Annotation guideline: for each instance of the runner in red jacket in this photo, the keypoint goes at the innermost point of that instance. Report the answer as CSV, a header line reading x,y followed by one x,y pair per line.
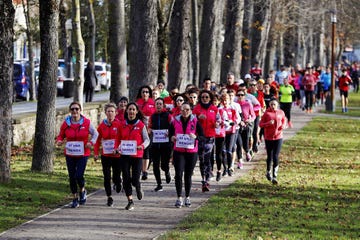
x,y
273,121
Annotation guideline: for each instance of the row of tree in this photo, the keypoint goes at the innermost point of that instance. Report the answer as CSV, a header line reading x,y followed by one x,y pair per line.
x,y
197,38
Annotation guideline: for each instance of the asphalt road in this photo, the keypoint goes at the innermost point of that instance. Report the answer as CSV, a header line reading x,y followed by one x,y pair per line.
x,y
28,107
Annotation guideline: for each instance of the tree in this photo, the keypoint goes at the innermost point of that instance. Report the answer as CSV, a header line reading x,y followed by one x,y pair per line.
x,y
246,42
195,47
29,34
210,35
7,14
179,44
43,152
117,37
143,49
79,50
92,30
231,60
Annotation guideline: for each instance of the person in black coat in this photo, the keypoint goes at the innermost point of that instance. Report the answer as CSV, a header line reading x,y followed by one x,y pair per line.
x,y
90,81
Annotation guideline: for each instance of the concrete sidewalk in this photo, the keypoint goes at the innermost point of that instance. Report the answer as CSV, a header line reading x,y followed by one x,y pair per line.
x,y
152,216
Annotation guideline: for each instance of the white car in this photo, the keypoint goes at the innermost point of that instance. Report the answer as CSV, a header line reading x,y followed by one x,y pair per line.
x,y
103,75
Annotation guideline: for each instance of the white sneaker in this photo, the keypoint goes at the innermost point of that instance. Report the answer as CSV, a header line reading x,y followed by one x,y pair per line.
x,y
179,203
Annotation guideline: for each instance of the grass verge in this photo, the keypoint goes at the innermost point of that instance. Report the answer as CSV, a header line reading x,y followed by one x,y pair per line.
x,y
354,105
318,196
30,194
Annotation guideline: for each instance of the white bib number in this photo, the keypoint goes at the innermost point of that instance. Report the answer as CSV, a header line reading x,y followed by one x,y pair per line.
x,y
75,148
185,141
108,146
128,147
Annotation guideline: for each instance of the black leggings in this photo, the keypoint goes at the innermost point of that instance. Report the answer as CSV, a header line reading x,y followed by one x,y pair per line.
x,y
286,107
161,158
109,163
219,146
184,164
309,99
131,169
273,148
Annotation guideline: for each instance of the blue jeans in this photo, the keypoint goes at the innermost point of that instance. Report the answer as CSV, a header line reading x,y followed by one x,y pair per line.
x,y
76,168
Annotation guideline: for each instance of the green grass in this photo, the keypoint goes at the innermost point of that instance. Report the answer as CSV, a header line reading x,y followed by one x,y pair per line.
x,y
354,105
318,196
30,194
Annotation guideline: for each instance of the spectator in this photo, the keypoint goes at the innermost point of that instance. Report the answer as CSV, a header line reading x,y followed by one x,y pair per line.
x,y
91,81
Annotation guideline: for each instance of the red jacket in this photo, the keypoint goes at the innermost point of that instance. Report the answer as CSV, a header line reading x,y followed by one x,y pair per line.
x,y
75,132
309,82
209,123
108,131
148,107
232,117
273,131
344,83
120,115
134,132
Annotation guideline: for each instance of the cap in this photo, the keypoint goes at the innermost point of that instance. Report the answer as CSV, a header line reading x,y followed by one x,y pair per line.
x,y
247,76
261,81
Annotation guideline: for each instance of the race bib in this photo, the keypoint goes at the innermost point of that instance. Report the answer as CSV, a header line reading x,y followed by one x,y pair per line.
x,y
128,147
185,141
74,148
169,106
108,146
160,136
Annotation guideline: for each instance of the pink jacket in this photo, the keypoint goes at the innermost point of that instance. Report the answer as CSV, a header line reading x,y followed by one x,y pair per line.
x,y
273,131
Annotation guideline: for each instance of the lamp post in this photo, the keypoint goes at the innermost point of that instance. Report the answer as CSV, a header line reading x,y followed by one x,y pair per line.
x,y
331,106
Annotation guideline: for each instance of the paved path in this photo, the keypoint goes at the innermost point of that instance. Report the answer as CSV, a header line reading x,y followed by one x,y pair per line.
x,y
152,216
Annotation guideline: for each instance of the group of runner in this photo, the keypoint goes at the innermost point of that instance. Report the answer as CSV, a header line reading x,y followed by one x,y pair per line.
x,y
220,125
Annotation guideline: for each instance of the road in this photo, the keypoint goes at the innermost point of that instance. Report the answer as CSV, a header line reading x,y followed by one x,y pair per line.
x,y
28,107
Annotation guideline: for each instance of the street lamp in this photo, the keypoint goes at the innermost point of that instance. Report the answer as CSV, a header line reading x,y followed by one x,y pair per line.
x,y
331,105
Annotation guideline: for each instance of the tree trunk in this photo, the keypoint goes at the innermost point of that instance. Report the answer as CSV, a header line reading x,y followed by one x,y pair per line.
x,y
179,44
263,32
7,15
246,42
79,50
117,37
322,59
43,152
210,38
92,30
63,46
195,43
144,55
231,56
32,90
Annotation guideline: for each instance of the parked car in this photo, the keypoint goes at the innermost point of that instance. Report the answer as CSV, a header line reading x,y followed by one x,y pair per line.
x,y
61,79
103,74
21,81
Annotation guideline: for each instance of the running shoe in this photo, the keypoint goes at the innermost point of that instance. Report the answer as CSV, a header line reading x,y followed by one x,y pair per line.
x,y
130,205
75,203
82,197
248,157
187,202
240,165
218,176
168,177
144,176
139,192
178,203
274,181
110,201
158,188
205,187
268,176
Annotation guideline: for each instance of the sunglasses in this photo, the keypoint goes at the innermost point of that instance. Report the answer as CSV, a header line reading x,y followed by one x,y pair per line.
x,y
252,85
205,97
192,97
179,100
145,92
74,109
239,95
